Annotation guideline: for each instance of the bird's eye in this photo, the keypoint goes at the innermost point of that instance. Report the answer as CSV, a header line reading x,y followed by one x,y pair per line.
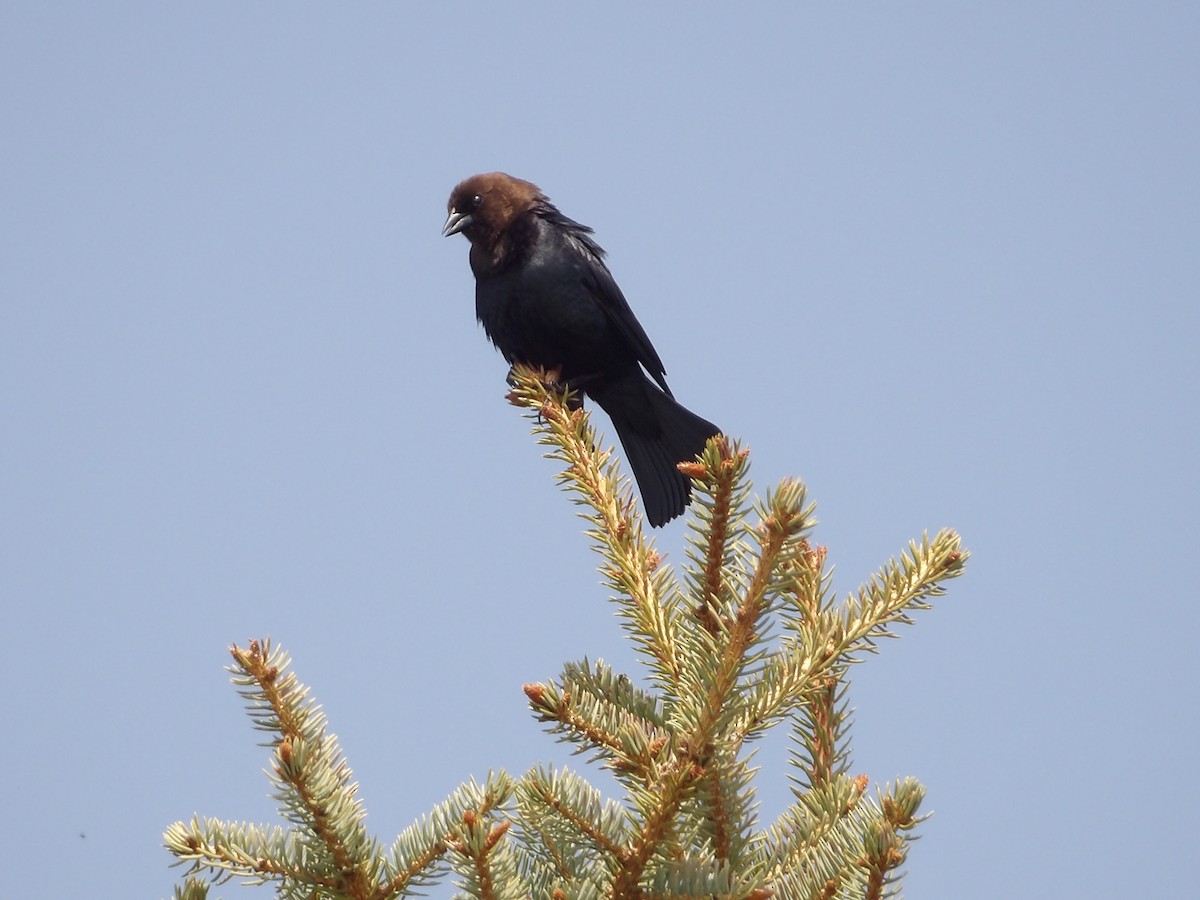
x,y
476,202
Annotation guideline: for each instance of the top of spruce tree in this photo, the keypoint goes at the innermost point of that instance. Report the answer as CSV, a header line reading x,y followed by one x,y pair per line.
x,y
747,637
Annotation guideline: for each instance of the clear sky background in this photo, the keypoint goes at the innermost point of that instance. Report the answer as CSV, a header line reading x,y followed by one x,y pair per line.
x,y
939,260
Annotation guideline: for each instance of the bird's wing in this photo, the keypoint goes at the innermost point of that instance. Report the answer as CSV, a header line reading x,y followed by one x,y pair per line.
x,y
600,283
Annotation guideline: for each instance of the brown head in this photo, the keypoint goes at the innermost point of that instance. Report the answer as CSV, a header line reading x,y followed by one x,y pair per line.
x,y
484,206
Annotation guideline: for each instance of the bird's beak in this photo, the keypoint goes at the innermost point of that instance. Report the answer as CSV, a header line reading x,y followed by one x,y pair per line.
x,y
456,222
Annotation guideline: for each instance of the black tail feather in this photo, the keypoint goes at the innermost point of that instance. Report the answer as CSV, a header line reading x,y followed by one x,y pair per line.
x,y
657,434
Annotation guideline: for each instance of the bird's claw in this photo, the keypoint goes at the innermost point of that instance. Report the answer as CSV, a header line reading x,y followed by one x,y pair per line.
x,y
574,387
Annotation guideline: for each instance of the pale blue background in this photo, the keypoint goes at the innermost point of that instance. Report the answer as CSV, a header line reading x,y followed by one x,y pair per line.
x,y
938,259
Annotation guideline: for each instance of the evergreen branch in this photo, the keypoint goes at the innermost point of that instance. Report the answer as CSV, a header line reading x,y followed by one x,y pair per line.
x,y
696,879
900,804
720,491
885,845
659,805
461,824
900,587
553,705
833,637
812,583
814,847
276,701
725,808
564,804
315,786
232,849
820,732
314,789
631,564
191,889
834,843
618,691
786,516
717,816
573,838
489,873
710,705
413,869
329,851
780,537
321,797
884,854
607,714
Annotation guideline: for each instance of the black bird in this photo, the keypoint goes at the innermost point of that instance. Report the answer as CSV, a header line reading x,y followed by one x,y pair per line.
x,y
546,298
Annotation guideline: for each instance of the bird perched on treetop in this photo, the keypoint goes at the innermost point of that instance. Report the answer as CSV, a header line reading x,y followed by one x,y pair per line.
x,y
546,299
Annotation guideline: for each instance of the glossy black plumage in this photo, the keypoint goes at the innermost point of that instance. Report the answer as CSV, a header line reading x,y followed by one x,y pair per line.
x,y
546,298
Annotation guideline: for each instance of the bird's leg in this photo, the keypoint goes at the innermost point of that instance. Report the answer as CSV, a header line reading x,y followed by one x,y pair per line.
x,y
575,385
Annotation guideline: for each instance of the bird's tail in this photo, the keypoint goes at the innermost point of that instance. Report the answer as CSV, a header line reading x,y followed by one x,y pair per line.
x,y
657,433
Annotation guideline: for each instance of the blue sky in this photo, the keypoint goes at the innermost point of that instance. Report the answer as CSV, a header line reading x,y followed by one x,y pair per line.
x,y
939,260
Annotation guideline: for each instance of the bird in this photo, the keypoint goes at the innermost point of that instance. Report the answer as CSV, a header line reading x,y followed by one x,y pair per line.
x,y
546,298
